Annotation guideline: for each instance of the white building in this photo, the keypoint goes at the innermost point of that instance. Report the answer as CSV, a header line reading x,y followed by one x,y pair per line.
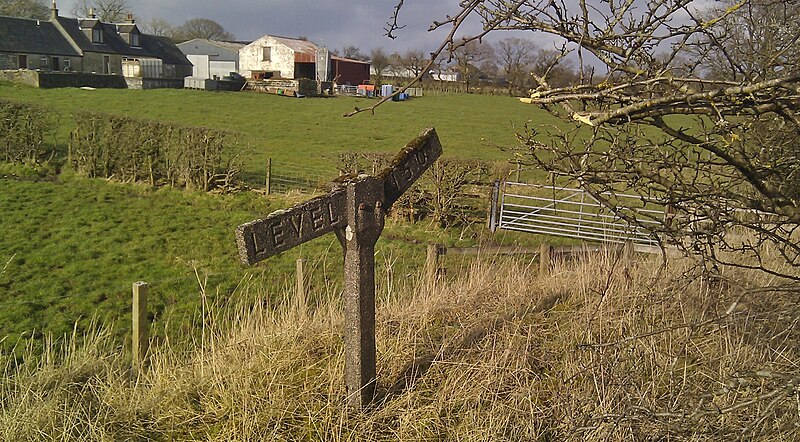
x,y
212,58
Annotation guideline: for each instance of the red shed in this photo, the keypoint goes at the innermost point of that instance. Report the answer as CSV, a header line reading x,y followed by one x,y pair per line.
x,y
347,71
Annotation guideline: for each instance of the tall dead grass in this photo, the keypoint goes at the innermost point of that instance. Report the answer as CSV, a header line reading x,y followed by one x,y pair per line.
x,y
603,348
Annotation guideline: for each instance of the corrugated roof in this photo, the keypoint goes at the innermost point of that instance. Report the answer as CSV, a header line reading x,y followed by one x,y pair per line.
x,y
296,45
349,60
227,45
33,36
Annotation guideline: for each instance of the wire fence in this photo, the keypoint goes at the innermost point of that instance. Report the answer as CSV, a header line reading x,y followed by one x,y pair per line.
x,y
284,177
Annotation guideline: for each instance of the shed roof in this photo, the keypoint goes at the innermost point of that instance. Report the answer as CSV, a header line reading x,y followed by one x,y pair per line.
x,y
232,46
23,35
296,44
348,60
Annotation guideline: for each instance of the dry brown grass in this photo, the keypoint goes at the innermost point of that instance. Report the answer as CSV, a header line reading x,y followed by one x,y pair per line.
x,y
603,348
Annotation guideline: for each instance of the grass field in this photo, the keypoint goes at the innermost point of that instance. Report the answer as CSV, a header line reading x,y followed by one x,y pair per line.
x,y
71,247
311,131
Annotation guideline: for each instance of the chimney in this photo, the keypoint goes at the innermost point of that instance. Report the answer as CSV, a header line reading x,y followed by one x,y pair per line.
x,y
53,11
91,13
131,19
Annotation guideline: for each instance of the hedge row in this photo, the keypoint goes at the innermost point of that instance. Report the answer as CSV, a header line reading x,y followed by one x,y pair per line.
x,y
129,149
22,131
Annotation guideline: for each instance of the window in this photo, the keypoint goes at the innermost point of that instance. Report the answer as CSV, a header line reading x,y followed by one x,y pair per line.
x,y
135,39
22,62
97,35
55,62
106,64
43,62
267,54
67,64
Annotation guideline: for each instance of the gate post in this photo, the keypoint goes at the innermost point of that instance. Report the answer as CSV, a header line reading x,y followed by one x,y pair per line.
x,y
493,206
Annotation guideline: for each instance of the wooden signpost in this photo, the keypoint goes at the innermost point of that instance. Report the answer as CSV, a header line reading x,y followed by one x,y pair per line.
x,y
355,211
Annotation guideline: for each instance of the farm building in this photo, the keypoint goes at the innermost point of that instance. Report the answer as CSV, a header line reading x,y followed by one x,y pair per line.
x,y
212,58
88,45
294,59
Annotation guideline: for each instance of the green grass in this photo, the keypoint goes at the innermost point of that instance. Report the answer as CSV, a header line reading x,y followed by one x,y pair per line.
x,y
311,131
71,247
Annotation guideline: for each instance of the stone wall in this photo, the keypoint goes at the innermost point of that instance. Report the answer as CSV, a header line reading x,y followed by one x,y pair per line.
x,y
31,78
283,87
47,80
7,61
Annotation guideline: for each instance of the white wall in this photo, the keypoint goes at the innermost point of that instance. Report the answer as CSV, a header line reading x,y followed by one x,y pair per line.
x,y
282,58
200,65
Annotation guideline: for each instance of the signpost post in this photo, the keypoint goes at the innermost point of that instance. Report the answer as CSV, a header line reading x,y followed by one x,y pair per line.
x,y
355,211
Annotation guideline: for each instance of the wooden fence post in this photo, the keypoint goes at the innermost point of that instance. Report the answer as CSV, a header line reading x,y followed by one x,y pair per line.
x,y
544,258
269,176
519,171
432,263
301,279
141,332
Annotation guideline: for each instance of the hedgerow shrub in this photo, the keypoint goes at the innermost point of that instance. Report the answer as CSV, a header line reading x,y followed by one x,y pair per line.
x,y
133,150
22,131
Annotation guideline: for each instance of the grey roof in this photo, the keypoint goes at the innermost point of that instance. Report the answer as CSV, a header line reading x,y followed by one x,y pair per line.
x,y
127,28
296,44
112,42
150,45
27,36
227,45
165,49
22,35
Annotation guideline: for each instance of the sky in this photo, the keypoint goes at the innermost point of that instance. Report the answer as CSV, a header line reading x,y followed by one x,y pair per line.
x,y
333,24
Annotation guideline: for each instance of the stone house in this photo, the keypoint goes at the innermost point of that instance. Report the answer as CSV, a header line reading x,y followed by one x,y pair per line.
x,y
295,59
35,44
88,45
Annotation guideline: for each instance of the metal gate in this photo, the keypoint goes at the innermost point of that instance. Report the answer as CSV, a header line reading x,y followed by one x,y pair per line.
x,y
573,213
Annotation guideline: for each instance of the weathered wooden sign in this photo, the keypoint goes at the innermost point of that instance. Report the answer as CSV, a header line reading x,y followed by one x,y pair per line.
x,y
355,211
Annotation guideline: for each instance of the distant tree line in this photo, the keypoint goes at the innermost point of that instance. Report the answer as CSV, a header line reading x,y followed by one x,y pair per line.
x,y
511,64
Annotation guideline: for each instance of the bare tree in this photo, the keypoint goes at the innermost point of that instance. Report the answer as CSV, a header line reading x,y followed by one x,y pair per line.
x,y
201,28
353,53
724,157
550,63
516,55
110,11
413,61
379,62
25,9
160,27
468,56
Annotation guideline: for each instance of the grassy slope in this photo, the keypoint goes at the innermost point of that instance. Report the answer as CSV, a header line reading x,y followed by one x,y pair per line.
x,y
71,247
